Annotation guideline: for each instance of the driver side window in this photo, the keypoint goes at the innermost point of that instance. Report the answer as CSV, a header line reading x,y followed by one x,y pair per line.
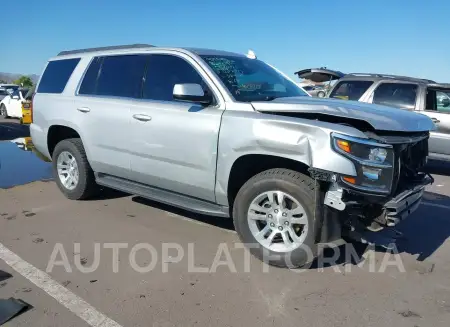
x,y
163,72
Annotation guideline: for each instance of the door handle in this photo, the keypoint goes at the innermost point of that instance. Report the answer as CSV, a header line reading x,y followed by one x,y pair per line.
x,y
435,120
83,109
141,117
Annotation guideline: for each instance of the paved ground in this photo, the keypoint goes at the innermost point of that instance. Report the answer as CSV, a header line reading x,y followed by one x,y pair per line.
x,y
35,219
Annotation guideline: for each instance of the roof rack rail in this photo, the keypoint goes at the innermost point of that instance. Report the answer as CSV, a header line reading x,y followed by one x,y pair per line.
x,y
392,76
113,47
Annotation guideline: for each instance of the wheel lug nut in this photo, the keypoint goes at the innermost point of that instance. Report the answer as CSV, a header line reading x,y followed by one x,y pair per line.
x,y
280,227
286,223
276,210
272,225
284,214
270,216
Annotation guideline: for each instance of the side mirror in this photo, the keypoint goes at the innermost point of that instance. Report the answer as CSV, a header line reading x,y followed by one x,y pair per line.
x,y
191,93
445,102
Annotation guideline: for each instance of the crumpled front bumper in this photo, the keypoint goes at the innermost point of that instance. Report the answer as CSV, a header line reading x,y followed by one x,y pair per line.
x,y
406,202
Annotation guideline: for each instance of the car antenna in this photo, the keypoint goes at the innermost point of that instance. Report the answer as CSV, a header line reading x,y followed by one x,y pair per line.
x,y
251,54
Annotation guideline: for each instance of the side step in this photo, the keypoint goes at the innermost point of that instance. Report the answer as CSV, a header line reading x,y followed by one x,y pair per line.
x,y
163,196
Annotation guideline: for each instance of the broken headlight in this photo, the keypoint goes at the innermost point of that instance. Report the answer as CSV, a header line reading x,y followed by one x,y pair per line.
x,y
373,162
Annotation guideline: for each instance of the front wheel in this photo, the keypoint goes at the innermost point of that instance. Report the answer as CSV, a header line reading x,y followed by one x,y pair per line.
x,y
273,214
3,111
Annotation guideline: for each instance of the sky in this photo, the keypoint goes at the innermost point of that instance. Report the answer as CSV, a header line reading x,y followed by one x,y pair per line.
x,y
406,37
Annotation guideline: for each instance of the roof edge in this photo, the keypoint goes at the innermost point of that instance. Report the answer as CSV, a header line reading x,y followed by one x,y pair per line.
x,y
113,47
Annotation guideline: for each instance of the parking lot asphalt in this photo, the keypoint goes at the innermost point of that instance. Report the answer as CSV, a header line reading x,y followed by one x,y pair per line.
x,y
56,255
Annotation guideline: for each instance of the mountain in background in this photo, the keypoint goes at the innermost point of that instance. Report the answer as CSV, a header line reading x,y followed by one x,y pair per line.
x,y
10,77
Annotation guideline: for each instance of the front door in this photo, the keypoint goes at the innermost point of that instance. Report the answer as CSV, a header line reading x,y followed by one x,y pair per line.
x,y
437,107
174,143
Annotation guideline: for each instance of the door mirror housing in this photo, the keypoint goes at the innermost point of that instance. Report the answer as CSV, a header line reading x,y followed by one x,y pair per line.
x,y
191,93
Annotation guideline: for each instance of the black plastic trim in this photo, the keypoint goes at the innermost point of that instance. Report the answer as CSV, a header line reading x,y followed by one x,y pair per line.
x,y
163,196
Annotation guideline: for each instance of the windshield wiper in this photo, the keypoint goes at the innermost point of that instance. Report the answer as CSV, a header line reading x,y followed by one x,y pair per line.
x,y
271,98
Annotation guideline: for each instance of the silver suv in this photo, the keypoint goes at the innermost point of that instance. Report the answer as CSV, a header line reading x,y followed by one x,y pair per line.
x,y
227,135
415,94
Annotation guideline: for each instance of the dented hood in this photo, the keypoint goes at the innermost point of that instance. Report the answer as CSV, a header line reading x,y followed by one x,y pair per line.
x,y
379,117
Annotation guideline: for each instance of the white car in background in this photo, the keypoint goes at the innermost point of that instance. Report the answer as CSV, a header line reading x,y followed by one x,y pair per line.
x,y
6,88
11,105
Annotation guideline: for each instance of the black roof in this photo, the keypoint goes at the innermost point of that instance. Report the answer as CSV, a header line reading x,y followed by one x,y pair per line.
x,y
113,47
372,76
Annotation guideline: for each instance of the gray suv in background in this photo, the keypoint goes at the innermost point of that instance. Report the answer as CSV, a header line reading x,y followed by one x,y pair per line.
x,y
421,95
228,135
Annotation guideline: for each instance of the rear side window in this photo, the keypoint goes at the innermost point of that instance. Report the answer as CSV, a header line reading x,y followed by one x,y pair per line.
x,y
89,84
56,75
121,76
350,90
396,95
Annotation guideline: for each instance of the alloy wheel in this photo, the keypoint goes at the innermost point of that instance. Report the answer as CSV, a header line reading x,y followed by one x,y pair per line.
x,y
68,172
277,221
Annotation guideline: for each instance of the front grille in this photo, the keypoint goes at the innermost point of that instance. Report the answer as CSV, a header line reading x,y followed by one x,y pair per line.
x,y
410,159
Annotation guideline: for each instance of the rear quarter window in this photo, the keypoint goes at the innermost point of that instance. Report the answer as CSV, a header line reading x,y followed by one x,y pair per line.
x,y
56,75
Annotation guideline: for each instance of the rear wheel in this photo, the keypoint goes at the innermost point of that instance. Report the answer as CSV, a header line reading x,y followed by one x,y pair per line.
x,y
321,94
273,213
72,171
3,111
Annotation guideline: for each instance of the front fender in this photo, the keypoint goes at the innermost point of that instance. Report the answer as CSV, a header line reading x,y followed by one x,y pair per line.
x,y
302,140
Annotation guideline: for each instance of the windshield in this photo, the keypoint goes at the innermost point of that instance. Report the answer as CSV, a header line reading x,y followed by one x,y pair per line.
x,y
251,79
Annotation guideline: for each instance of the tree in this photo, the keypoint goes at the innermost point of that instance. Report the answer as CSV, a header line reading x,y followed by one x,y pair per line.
x,y
24,81
2,81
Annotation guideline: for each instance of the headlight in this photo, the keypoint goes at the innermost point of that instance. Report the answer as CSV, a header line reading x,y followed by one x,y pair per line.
x,y
373,162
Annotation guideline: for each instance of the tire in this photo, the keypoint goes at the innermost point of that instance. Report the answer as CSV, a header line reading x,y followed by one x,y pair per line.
x,y
321,94
85,186
295,185
3,111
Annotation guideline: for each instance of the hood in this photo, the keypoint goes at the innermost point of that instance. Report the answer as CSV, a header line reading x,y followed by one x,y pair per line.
x,y
379,117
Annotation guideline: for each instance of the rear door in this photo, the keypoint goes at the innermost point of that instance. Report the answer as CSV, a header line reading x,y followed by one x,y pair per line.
x,y
104,102
15,104
437,107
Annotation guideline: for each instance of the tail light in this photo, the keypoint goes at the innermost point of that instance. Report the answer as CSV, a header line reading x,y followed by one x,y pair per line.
x,y
31,107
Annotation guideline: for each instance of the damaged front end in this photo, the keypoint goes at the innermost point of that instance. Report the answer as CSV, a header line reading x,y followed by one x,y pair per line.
x,y
387,188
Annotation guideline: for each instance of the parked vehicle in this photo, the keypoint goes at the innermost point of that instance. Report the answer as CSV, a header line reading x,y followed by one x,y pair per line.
x,y
5,90
223,134
27,107
11,105
421,95
315,90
